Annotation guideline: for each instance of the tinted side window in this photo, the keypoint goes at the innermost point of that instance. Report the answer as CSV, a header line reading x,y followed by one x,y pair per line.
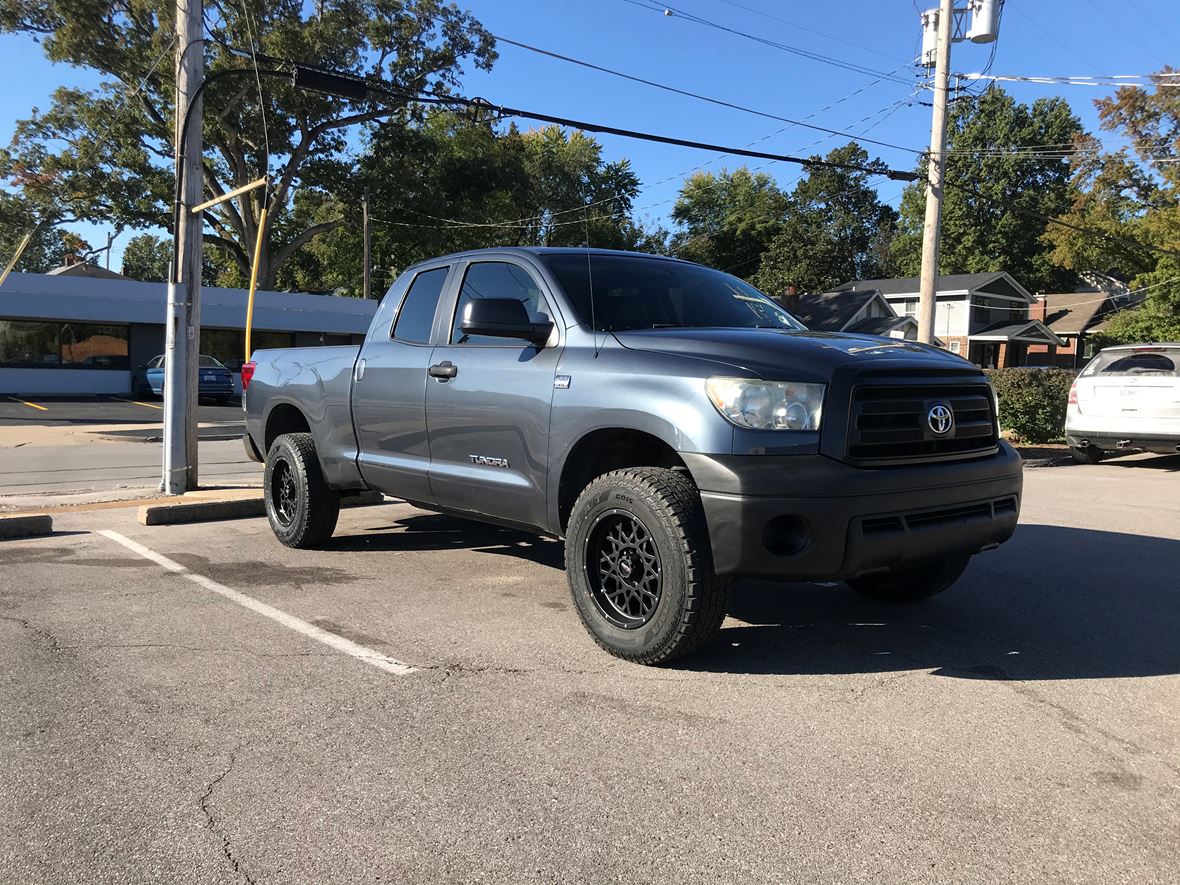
x,y
497,279
417,311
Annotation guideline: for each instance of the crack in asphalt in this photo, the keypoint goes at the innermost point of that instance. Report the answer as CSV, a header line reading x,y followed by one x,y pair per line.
x,y
212,825
204,649
48,638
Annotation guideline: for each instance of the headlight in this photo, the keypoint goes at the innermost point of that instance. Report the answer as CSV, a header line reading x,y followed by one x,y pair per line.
x,y
767,405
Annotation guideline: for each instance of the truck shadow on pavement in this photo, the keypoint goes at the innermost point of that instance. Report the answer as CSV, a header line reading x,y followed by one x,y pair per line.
x,y
437,531
1052,603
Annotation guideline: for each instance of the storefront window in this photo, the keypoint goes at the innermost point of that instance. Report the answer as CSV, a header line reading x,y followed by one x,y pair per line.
x,y
35,345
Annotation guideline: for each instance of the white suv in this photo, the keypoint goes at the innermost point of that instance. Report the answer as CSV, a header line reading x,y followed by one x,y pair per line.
x,y
1127,397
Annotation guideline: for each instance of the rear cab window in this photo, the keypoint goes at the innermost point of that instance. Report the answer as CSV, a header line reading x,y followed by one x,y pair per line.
x,y
415,317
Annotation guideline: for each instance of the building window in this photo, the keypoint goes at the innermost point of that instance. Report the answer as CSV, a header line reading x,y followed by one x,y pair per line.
x,y
910,307
956,346
36,345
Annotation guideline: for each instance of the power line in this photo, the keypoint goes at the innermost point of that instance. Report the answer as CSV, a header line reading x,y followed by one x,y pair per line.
x,y
697,95
800,27
664,9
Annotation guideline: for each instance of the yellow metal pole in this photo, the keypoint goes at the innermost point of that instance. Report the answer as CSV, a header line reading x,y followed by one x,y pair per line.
x,y
254,278
16,257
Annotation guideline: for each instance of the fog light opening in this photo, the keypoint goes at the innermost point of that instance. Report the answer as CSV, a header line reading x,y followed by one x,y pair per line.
x,y
786,535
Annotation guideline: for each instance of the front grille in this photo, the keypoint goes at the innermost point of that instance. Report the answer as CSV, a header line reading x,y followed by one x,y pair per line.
x,y
891,423
909,522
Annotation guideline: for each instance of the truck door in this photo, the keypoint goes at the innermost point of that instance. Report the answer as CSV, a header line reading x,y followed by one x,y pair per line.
x,y
489,413
389,391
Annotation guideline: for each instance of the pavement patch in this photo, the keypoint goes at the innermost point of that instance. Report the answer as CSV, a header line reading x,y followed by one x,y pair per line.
x,y
339,643
25,525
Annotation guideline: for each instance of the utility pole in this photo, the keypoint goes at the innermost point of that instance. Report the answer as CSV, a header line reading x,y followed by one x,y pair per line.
x,y
935,168
184,280
940,28
368,243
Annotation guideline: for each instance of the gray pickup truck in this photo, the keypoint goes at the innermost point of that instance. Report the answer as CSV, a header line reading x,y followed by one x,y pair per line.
x,y
674,425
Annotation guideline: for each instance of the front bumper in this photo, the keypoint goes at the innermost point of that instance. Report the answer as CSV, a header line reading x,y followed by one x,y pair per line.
x,y
809,517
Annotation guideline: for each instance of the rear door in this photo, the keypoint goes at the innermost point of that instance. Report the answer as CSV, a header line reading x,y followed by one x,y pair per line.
x,y
389,390
489,422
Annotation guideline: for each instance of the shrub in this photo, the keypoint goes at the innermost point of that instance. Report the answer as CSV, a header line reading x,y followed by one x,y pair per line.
x,y
1033,401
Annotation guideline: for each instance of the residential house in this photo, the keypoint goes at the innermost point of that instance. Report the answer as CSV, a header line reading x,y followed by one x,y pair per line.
x,y
1074,317
864,311
982,316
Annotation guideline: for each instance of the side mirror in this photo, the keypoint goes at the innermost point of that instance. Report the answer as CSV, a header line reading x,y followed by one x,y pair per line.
x,y
503,318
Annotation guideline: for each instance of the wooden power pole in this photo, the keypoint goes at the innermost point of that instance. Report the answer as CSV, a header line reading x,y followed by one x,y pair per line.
x,y
935,170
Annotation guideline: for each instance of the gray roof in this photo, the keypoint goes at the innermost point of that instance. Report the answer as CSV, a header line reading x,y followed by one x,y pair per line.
x,y
879,325
908,285
831,311
1006,329
87,299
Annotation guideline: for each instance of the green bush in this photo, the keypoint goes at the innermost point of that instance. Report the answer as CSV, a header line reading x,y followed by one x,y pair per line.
x,y
1033,401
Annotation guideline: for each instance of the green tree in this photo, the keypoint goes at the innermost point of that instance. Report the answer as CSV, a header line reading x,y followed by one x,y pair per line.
x,y
835,228
997,230
729,219
447,183
49,247
1132,196
146,258
99,157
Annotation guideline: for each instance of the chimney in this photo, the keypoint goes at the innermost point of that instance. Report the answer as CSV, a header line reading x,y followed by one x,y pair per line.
x,y
790,299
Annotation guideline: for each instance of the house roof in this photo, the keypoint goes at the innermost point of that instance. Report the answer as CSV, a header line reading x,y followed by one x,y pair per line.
x,y
1071,313
831,311
92,271
1024,330
880,325
946,283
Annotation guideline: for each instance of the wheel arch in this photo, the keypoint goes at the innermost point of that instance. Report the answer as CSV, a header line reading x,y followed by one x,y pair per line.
x,y
283,418
605,449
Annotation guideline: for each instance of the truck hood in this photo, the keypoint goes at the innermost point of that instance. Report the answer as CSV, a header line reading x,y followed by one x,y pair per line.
x,y
781,353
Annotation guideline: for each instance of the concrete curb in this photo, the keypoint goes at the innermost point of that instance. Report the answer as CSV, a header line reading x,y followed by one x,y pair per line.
x,y
229,508
25,525
1048,462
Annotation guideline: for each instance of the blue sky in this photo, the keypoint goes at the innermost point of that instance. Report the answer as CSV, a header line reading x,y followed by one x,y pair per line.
x,y
1081,37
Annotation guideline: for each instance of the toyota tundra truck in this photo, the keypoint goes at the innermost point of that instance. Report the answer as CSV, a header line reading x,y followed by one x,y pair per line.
x,y
677,427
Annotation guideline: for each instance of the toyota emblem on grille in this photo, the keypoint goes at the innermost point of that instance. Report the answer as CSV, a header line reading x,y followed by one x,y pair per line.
x,y
941,419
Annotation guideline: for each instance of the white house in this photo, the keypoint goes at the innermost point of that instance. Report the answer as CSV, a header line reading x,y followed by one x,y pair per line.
x,y
982,316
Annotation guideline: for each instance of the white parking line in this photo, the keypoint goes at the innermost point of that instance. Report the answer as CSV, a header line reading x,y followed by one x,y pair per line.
x,y
347,646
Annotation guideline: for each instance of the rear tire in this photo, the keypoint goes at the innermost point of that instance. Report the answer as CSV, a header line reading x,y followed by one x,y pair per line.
x,y
640,565
302,510
1087,455
913,584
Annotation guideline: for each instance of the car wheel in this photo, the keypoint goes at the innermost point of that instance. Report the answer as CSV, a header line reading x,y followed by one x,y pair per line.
x,y
910,585
1087,455
640,565
301,508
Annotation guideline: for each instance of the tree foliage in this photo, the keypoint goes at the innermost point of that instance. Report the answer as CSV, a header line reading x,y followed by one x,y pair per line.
x,y
835,229
1000,228
49,246
96,156
729,219
447,183
1133,195
146,258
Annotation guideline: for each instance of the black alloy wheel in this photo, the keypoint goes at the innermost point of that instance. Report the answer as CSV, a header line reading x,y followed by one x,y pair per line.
x,y
623,569
283,492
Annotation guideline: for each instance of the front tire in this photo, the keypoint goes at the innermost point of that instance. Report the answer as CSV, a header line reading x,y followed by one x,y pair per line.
x,y
911,585
302,510
640,565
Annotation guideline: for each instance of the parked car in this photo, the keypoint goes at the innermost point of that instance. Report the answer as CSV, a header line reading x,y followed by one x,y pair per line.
x,y
214,381
675,425
1127,397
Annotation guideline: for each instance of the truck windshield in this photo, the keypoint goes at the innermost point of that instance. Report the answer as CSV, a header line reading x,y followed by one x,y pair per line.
x,y
634,292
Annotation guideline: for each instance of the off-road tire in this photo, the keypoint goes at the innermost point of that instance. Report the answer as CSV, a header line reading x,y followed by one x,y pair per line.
x,y
913,584
1087,455
307,516
692,599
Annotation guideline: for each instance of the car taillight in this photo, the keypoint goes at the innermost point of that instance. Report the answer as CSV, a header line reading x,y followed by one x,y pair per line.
x,y
248,373
1073,393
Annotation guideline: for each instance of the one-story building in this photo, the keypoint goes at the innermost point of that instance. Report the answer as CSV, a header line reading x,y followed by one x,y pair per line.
x,y
1074,317
863,311
82,332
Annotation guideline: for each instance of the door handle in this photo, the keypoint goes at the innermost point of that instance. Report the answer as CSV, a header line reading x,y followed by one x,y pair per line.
x,y
444,371
360,370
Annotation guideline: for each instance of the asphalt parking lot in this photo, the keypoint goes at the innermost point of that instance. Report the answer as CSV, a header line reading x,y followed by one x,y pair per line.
x,y
418,702
16,411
